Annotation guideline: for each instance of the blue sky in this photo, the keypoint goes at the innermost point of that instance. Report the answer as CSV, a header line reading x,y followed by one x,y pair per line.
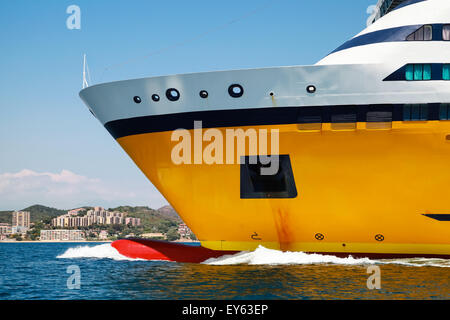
x,y
53,152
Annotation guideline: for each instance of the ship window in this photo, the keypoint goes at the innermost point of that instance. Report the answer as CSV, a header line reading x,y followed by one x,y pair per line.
x,y
310,118
172,94
343,118
446,32
410,72
379,119
446,72
235,90
137,99
427,72
424,33
255,185
418,72
444,111
415,112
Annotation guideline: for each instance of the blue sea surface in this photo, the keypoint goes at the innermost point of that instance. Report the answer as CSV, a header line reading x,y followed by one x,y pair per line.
x,y
40,271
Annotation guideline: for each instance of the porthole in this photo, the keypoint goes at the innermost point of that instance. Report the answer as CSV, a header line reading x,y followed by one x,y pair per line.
x,y
311,89
203,94
155,97
172,94
271,94
137,99
235,90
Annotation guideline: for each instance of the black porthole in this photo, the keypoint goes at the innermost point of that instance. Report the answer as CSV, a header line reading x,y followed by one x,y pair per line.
x,y
236,90
137,99
311,89
155,97
203,94
379,237
271,94
172,94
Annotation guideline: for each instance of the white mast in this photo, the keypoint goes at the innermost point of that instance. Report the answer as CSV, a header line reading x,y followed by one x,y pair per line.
x,y
85,66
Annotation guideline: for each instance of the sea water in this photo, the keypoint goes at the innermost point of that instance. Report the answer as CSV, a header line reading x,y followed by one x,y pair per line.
x,y
46,271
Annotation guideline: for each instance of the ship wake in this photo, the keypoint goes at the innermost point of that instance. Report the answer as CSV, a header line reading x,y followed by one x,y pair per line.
x,y
260,256
264,256
102,251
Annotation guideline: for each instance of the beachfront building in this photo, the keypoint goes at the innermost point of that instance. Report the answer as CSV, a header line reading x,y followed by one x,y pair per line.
x,y
21,219
98,215
62,235
103,235
133,221
184,230
5,231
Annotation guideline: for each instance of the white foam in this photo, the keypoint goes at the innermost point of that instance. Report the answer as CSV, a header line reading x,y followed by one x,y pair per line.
x,y
420,262
102,251
264,256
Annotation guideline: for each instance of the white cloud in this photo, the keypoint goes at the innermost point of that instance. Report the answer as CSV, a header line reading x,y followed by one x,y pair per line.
x,y
67,190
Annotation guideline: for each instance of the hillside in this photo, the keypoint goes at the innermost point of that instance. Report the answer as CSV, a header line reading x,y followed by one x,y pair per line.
x,y
169,212
160,220
37,213
5,216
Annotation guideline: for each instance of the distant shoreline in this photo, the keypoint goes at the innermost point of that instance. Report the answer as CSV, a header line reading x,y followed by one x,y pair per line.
x,y
83,241
57,241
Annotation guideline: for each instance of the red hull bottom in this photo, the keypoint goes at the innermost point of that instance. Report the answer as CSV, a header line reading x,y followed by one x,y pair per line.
x,y
166,251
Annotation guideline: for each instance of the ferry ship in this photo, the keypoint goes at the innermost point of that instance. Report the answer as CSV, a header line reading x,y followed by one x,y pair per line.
x,y
364,143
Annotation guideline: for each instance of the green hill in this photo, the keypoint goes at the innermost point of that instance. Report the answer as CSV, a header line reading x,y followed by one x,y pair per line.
x,y
37,213
160,220
5,216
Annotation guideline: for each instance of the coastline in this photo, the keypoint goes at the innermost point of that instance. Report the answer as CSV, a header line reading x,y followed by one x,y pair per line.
x,y
85,241
58,241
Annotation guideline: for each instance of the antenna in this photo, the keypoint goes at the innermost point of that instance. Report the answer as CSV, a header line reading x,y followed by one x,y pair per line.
x,y
86,67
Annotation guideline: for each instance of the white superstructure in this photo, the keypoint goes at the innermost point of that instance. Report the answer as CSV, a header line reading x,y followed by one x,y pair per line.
x,y
348,76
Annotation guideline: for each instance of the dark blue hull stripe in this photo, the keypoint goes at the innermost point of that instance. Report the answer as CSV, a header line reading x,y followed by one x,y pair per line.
x,y
407,3
262,116
398,34
439,217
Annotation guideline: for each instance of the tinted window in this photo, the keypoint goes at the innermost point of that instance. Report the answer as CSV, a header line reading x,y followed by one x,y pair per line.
x,y
415,112
379,117
444,111
446,32
427,33
418,72
410,72
446,72
424,33
343,118
310,118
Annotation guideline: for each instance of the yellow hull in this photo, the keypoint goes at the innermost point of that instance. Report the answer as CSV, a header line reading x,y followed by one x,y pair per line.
x,y
353,186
